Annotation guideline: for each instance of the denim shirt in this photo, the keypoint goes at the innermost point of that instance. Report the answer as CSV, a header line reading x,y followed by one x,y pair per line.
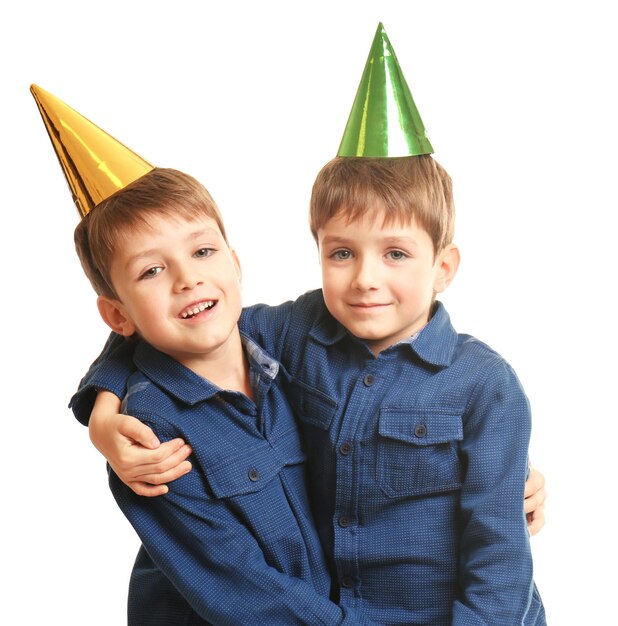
x,y
233,542
417,464
418,460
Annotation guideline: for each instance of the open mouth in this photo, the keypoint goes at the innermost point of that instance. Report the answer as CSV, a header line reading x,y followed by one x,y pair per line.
x,y
195,309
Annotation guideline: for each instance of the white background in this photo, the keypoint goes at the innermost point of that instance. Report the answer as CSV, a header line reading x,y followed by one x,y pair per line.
x,y
519,101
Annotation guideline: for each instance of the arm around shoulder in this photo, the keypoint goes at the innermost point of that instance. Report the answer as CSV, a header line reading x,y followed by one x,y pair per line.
x,y
132,449
109,371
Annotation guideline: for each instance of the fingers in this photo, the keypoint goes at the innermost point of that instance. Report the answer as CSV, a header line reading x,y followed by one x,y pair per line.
x,y
139,465
136,461
535,482
534,501
146,490
160,478
140,433
536,520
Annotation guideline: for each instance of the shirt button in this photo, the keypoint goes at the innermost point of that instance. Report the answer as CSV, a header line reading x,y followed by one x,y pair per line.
x,y
369,380
347,582
420,430
254,475
344,521
345,448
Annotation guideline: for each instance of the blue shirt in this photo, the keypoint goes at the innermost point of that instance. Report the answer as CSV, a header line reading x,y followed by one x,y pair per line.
x,y
418,460
417,463
233,542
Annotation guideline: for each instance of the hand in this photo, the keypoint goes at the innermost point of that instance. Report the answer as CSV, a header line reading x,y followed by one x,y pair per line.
x,y
534,501
133,451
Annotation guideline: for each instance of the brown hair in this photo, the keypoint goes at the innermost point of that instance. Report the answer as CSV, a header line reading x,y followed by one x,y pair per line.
x,y
162,191
405,188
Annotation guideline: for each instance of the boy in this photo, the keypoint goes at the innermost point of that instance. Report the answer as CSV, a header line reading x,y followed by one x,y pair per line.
x,y
234,542
417,436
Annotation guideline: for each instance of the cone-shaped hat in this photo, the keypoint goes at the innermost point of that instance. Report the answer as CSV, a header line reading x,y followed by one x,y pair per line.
x,y
95,164
384,121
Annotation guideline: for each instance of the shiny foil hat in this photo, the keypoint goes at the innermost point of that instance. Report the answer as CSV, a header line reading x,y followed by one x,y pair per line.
x,y
95,164
384,121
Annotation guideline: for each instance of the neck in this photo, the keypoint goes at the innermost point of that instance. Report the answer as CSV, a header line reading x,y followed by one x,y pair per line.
x,y
227,367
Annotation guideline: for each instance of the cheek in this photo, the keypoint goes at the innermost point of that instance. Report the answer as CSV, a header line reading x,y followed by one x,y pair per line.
x,y
148,301
331,294
332,284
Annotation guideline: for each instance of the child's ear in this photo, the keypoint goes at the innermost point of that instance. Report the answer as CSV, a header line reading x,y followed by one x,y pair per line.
x,y
115,316
448,262
237,265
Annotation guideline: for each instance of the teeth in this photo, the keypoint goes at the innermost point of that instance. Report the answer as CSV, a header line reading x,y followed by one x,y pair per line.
x,y
197,308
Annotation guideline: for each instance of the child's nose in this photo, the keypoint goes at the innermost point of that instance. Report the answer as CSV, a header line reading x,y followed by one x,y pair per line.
x,y
367,275
186,280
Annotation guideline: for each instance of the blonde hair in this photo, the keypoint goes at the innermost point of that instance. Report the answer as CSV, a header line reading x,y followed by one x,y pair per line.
x,y
404,188
165,192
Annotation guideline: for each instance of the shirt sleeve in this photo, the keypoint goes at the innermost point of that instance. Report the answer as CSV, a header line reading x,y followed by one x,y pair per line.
x,y
215,562
267,325
110,371
495,569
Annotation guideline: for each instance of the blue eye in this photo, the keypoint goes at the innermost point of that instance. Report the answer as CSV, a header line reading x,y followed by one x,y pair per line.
x,y
204,252
342,255
397,255
151,272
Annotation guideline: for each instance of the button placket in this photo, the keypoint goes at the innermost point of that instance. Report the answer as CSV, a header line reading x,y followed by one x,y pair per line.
x,y
346,539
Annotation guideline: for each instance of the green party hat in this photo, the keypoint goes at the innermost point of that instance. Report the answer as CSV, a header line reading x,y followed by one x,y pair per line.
x,y
384,121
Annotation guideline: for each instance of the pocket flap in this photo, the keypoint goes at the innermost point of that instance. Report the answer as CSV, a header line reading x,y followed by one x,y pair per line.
x,y
422,427
250,471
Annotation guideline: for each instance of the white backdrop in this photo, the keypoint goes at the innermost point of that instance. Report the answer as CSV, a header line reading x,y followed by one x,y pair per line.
x,y
519,101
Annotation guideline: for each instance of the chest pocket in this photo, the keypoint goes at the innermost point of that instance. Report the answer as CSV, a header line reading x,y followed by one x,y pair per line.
x,y
418,451
255,468
310,405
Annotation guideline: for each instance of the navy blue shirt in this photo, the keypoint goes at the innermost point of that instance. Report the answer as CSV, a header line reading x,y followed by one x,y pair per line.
x,y
417,460
233,542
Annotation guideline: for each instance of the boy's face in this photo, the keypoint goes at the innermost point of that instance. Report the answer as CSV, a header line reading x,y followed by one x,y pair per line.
x,y
379,279
178,285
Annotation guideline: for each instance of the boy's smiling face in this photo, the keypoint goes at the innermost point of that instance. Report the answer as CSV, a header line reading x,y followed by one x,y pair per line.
x,y
178,286
379,279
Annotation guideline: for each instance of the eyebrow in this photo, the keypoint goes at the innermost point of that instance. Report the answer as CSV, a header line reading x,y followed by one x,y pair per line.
x,y
203,232
388,240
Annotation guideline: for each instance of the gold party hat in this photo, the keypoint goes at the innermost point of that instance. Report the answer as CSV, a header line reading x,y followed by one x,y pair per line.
x,y
384,121
95,164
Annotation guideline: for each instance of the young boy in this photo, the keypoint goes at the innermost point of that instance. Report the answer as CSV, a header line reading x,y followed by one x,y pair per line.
x,y
417,436
234,541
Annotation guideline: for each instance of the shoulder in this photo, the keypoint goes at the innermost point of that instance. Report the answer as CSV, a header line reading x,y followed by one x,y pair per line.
x,y
493,385
150,404
270,325
479,365
473,349
470,349
311,299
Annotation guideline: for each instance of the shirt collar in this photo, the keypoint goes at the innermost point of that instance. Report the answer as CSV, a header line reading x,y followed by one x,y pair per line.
x,y
185,385
326,329
434,344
